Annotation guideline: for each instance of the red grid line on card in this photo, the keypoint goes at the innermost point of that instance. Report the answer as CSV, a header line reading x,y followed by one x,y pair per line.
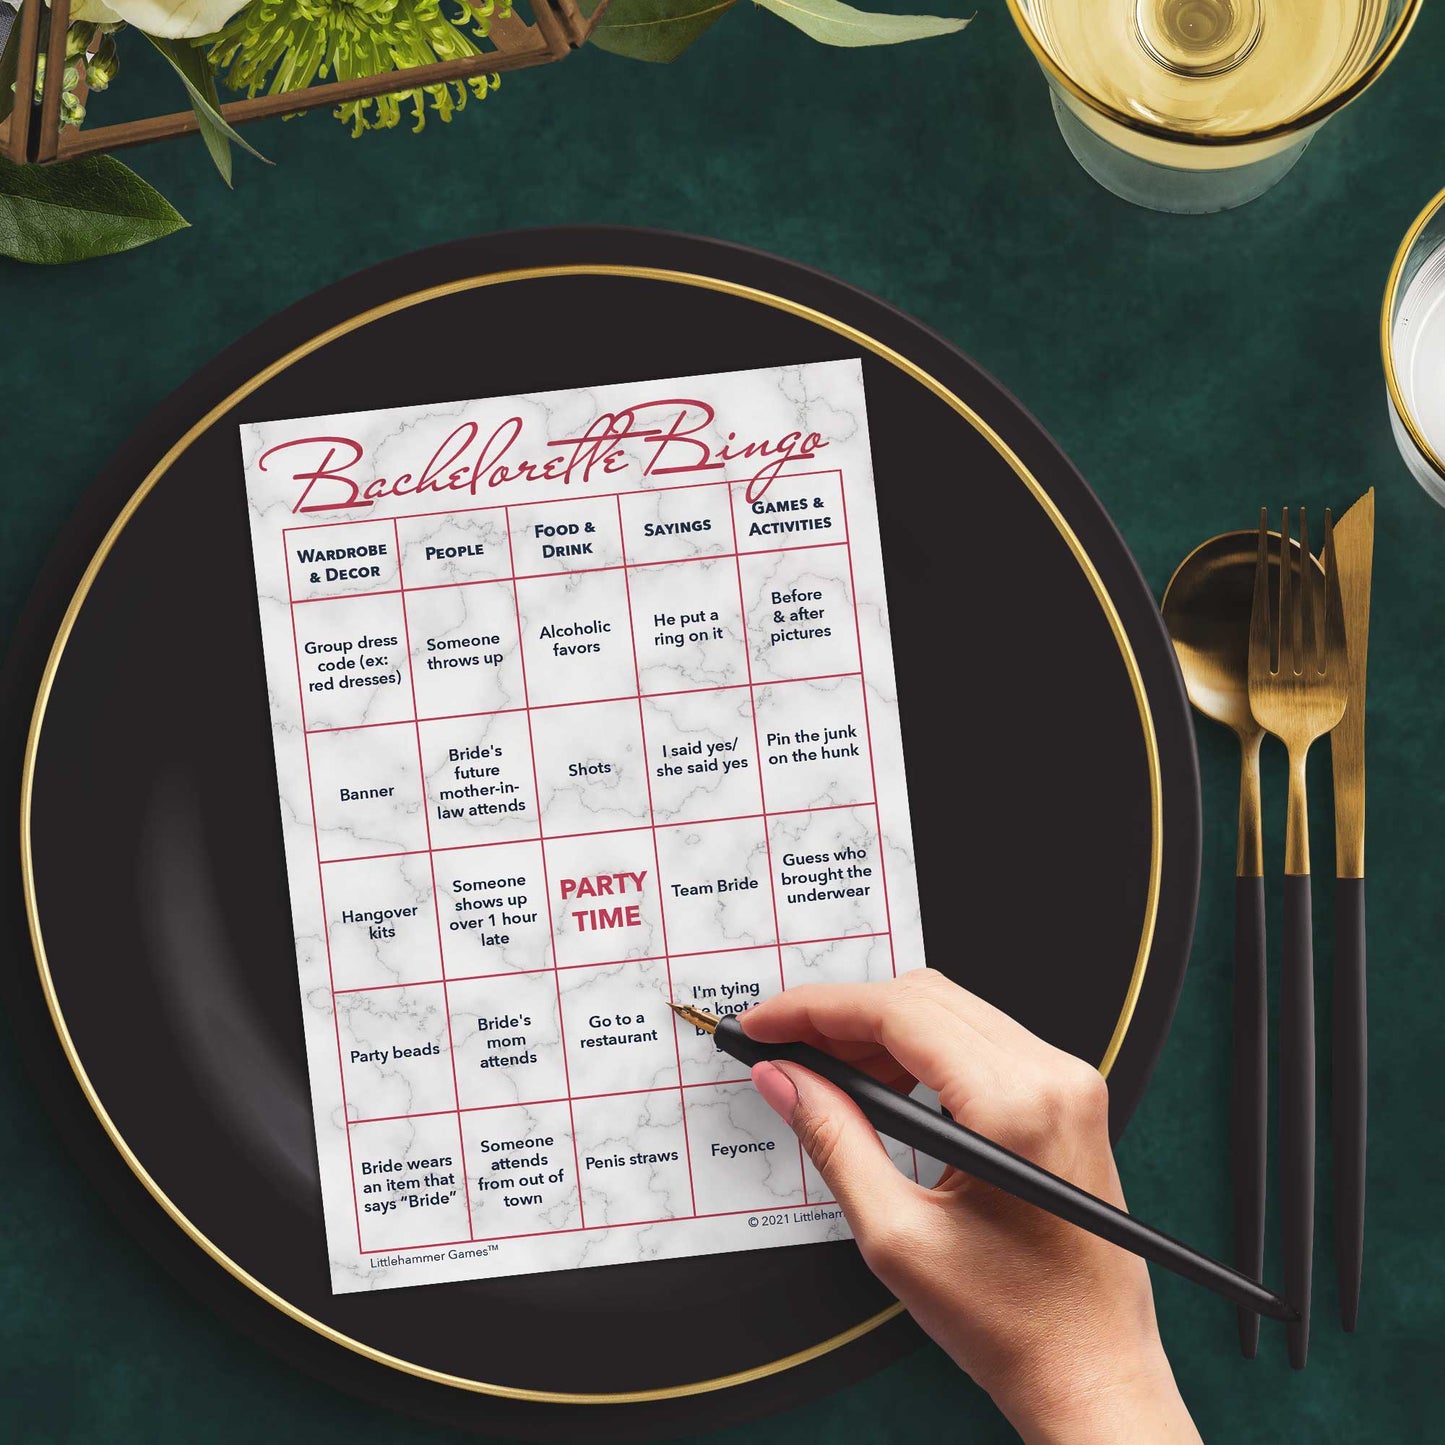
x,y
741,1078
560,572
542,1103
325,919
546,888
587,702
872,766
423,983
868,733
440,1244
758,754
436,906
348,596
393,1118
729,686
624,1224
597,832
611,962
656,859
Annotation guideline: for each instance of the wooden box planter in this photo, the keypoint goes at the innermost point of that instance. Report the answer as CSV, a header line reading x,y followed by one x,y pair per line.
x,y
33,134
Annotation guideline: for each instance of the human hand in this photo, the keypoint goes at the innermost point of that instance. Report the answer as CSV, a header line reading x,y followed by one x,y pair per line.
x,y
1057,1325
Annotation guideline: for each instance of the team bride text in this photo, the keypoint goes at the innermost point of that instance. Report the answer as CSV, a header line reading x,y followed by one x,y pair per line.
x,y
667,434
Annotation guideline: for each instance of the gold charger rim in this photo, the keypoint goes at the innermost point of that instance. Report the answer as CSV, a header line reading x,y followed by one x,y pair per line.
x,y
209,419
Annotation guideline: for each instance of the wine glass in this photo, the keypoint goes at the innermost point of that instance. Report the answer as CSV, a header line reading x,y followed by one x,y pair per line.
x,y
1412,338
1200,105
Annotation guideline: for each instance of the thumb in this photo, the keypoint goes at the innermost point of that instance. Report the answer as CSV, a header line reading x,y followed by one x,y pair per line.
x,y
843,1145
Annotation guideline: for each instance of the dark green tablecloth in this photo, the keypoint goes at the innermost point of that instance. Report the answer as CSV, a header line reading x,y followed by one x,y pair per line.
x,y
1192,368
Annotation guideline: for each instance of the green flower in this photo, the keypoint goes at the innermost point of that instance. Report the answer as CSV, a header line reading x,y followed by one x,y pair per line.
x,y
72,111
283,45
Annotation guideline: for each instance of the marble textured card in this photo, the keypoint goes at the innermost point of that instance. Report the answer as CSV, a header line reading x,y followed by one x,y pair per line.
x,y
581,702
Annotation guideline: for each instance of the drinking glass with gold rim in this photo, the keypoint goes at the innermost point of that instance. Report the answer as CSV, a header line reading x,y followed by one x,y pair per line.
x,y
1194,106
1412,342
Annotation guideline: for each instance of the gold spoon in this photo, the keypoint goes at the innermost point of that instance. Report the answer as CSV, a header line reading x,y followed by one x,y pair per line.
x,y
1207,606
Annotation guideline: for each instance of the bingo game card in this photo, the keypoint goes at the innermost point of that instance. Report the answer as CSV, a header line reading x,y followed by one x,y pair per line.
x,y
581,702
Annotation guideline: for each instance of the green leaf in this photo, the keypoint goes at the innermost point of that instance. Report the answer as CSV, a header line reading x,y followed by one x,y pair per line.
x,y
195,72
656,30
90,207
834,23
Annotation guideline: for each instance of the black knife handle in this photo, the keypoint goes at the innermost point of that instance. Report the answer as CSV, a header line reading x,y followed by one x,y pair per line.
x,y
1350,1092
1297,1109
1249,1093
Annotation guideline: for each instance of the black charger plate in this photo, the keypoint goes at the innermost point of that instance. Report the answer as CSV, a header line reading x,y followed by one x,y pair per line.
x,y
1051,771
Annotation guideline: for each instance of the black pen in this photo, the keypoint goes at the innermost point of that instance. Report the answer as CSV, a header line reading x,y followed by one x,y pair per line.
x,y
935,1134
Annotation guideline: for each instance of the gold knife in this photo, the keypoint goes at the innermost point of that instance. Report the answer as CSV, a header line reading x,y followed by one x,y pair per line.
x,y
1354,553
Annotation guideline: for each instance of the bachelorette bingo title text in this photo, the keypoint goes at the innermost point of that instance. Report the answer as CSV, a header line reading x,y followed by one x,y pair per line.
x,y
653,439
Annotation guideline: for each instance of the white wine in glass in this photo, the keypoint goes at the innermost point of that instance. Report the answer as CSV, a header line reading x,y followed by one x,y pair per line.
x,y
1199,105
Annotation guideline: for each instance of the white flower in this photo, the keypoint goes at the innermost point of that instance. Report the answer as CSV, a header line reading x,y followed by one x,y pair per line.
x,y
172,19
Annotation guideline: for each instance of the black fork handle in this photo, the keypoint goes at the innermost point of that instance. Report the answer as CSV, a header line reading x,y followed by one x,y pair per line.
x,y
1297,1109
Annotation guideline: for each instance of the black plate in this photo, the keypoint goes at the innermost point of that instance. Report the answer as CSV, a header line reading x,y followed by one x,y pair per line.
x,y
1058,845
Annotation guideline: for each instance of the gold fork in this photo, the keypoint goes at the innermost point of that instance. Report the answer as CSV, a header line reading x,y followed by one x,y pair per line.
x,y
1297,691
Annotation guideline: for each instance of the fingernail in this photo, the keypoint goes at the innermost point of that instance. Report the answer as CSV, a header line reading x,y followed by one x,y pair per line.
x,y
777,1088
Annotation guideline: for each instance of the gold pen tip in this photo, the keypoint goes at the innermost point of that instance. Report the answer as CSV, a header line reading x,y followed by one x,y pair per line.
x,y
695,1016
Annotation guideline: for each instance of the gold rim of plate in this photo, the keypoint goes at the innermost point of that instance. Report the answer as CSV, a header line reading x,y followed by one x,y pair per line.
x,y
77,601
1303,121
1392,286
